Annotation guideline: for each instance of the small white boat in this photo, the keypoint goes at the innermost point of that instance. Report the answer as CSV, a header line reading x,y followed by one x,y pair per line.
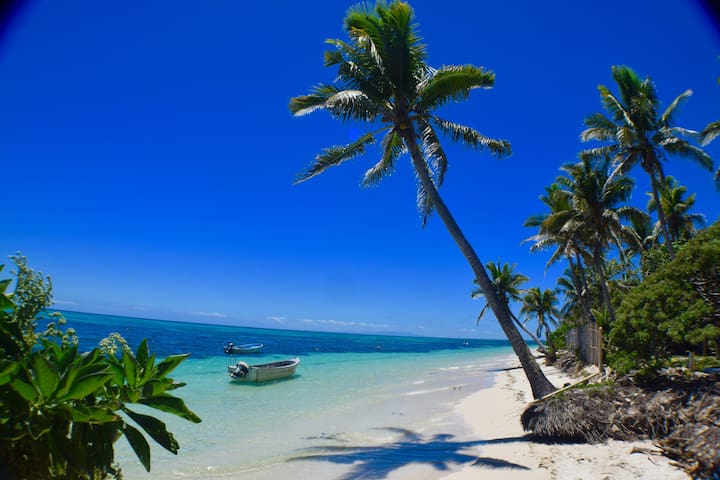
x,y
246,348
242,372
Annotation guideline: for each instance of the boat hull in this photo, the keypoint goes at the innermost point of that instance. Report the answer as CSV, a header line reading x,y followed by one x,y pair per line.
x,y
243,373
248,348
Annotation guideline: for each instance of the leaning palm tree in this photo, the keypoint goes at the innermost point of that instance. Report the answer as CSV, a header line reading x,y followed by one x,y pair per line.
x,y
676,207
638,134
383,80
507,285
542,307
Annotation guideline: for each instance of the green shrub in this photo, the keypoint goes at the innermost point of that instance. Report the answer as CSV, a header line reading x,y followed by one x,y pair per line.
x,y
61,410
674,309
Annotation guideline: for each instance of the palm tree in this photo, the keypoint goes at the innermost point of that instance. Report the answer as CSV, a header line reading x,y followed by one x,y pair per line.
x,y
638,134
681,224
383,80
555,229
708,134
541,306
507,286
596,219
570,309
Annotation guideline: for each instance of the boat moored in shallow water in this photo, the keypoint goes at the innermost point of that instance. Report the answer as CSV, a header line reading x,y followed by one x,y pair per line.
x,y
242,372
231,348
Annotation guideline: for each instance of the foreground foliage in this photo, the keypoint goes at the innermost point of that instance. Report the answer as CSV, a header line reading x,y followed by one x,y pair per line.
x,y
61,410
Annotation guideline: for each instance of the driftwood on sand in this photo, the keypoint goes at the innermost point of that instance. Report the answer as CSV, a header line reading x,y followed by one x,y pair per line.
x,y
680,414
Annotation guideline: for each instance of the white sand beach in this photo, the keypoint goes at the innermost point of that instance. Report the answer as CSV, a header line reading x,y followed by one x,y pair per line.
x,y
494,415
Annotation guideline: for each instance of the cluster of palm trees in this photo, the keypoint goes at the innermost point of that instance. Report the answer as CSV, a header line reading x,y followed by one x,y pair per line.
x,y
383,81
590,223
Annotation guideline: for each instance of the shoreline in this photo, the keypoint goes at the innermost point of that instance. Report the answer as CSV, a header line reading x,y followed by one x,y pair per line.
x,y
506,452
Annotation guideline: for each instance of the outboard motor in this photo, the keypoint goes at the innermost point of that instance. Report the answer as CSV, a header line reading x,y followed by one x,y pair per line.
x,y
229,347
241,369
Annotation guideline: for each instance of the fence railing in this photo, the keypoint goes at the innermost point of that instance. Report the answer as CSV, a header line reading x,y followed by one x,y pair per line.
x,y
587,342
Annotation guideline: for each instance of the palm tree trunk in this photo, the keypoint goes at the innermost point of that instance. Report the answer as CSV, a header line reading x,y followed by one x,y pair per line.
x,y
581,289
604,285
539,384
660,212
534,337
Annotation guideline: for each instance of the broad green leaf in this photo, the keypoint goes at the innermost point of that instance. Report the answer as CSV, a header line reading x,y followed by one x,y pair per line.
x,y
149,369
67,358
7,369
26,390
79,413
67,379
141,354
84,414
98,367
130,366
86,385
156,429
169,364
46,376
117,370
90,357
139,444
170,404
4,284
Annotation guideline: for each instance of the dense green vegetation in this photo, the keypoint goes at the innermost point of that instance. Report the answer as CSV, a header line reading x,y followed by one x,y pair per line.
x,y
674,310
61,411
655,288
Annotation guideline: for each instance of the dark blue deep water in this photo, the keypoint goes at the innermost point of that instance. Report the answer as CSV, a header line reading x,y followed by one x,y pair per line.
x,y
203,340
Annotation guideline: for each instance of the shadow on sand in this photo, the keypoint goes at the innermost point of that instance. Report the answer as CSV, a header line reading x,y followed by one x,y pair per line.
x,y
439,451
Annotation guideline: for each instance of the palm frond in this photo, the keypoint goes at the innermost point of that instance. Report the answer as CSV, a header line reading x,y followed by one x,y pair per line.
x,y
393,147
615,107
423,203
434,152
335,155
365,29
710,133
683,148
356,70
451,83
628,82
598,153
681,132
667,117
304,104
473,138
599,128
352,104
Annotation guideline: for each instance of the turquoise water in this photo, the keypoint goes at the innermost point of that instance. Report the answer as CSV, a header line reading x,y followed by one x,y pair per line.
x,y
349,391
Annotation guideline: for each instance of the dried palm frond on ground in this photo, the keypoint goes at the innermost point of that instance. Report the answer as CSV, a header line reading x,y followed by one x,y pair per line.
x,y
680,414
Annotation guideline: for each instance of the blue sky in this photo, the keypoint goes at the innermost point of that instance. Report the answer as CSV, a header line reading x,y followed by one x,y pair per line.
x,y
148,154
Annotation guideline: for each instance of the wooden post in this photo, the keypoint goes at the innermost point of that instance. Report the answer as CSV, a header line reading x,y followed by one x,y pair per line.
x,y
691,360
600,350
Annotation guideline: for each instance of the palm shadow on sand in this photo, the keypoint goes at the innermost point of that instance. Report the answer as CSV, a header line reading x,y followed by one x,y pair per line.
x,y
378,461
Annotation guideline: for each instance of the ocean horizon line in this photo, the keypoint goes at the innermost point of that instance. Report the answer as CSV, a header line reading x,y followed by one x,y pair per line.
x,y
399,334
